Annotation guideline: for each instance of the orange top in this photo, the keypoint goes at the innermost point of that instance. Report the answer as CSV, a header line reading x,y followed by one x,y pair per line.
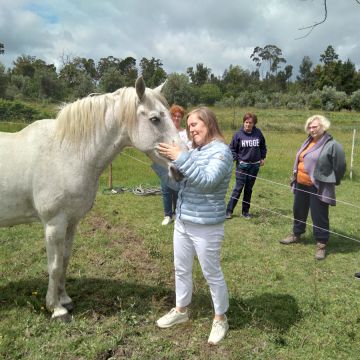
x,y
302,176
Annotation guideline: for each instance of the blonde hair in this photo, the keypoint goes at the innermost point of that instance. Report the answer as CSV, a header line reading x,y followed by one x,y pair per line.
x,y
323,122
209,119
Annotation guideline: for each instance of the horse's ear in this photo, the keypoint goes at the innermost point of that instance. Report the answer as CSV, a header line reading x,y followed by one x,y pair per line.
x,y
140,87
160,87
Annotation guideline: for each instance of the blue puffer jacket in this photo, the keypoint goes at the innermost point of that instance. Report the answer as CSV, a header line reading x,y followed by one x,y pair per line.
x,y
207,172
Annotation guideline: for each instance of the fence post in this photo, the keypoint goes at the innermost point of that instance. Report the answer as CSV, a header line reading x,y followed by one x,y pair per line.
x,y
352,154
110,177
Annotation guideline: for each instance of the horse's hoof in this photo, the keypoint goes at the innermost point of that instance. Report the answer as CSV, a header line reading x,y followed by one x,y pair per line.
x,y
65,318
69,306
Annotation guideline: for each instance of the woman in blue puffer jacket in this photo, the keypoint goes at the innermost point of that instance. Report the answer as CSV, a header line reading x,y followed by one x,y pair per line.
x,y
200,216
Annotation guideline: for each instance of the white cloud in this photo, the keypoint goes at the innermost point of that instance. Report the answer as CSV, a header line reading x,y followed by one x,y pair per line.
x,y
180,34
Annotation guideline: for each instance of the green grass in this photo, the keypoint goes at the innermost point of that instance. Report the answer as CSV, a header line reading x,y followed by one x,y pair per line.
x,y
283,303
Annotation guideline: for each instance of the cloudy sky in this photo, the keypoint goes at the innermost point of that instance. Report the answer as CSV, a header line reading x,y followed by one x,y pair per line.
x,y
181,33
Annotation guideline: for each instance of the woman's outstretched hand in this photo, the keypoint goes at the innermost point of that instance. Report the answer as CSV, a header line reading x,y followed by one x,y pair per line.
x,y
170,151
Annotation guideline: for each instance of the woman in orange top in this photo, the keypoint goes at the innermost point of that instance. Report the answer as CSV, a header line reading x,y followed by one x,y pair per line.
x,y
319,166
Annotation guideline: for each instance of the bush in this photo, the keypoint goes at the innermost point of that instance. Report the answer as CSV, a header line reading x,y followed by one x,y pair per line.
x,y
209,93
295,105
331,99
355,100
262,105
17,111
315,103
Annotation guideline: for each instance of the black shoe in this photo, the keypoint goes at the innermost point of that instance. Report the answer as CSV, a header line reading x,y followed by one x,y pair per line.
x,y
246,215
228,215
357,275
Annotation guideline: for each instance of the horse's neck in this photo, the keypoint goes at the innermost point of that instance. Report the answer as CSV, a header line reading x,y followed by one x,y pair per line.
x,y
106,147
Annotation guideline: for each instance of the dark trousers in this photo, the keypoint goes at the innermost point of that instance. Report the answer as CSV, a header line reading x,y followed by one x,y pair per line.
x,y
245,179
305,200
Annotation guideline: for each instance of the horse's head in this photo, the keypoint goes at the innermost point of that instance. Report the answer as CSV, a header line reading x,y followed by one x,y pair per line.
x,y
154,125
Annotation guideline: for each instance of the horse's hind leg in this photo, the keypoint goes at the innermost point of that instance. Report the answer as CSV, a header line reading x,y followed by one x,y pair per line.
x,y
65,299
55,231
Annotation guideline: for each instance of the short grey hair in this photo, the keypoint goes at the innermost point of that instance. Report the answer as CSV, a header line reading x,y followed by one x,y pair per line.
x,y
323,121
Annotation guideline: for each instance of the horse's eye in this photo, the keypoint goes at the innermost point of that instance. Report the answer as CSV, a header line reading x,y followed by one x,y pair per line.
x,y
155,119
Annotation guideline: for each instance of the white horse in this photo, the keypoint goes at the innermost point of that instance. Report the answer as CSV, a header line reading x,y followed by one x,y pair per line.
x,y
50,170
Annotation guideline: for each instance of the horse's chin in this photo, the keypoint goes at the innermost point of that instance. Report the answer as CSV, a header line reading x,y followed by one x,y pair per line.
x,y
175,173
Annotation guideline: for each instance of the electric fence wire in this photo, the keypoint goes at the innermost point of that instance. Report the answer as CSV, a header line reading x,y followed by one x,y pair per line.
x,y
275,212
291,217
140,190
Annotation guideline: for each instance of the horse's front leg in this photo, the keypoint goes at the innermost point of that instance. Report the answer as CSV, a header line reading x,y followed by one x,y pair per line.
x,y
65,299
55,231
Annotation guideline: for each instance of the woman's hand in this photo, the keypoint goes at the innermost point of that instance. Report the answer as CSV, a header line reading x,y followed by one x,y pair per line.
x,y
169,151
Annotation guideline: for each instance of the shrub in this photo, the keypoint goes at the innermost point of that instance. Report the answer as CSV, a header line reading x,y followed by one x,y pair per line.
x,y
209,93
331,99
262,105
245,99
17,111
314,103
355,100
295,105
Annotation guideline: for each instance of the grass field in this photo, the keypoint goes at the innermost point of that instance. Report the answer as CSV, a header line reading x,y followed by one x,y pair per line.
x,y
283,303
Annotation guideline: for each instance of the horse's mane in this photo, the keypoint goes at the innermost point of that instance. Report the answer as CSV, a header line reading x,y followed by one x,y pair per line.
x,y
78,122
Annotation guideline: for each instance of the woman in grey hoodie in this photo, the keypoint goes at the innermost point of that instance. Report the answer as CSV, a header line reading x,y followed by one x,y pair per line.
x,y
319,166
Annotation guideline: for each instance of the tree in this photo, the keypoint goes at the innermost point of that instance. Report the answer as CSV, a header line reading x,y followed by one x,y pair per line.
x,y
129,71
328,74
105,63
126,69
283,77
33,78
24,65
235,80
200,76
329,56
209,93
79,76
349,79
271,54
111,80
305,76
152,72
3,81
178,90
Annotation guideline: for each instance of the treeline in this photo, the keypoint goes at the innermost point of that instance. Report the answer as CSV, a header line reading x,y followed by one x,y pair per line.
x,y
332,84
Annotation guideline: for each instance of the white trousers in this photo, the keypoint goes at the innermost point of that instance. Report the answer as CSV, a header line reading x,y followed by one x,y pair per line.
x,y
205,242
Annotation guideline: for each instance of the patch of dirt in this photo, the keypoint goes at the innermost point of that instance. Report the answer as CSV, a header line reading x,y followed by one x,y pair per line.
x,y
135,254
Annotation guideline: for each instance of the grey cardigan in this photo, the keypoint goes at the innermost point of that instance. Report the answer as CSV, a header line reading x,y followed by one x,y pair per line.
x,y
325,163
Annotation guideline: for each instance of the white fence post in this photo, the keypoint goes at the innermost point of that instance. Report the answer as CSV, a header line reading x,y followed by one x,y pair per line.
x,y
352,154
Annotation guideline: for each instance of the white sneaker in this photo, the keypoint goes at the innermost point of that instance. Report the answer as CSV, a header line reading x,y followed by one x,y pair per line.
x,y
173,317
167,220
218,331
